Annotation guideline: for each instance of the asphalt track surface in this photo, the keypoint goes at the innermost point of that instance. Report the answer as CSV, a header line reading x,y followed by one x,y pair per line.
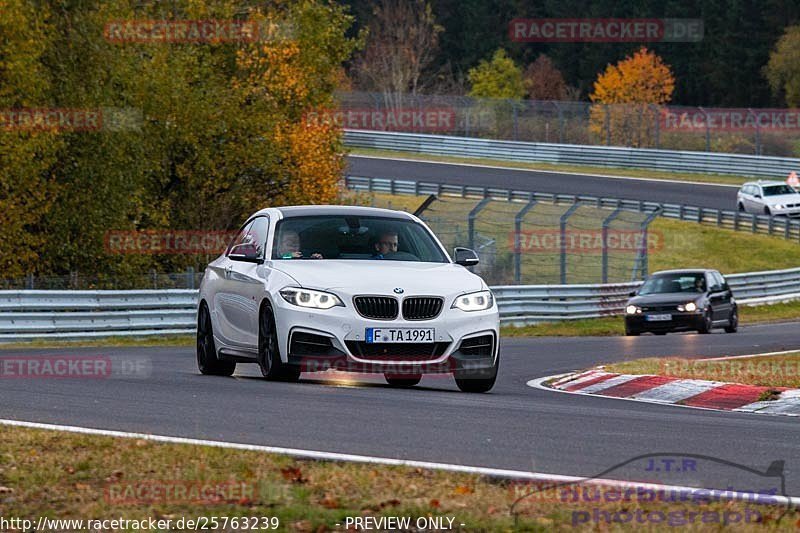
x,y
669,192
512,427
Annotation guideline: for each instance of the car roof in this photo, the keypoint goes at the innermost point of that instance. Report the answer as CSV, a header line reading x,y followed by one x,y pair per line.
x,y
684,271
341,210
765,182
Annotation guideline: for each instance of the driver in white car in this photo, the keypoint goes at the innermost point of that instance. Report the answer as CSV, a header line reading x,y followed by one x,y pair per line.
x,y
289,246
386,245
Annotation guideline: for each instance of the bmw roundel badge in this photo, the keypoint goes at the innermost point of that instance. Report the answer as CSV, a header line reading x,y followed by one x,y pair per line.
x,y
398,290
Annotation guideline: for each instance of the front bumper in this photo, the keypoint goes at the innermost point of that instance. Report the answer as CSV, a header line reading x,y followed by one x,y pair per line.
x,y
680,321
318,340
786,211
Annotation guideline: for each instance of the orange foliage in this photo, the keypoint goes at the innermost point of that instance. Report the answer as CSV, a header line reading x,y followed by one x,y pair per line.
x,y
627,95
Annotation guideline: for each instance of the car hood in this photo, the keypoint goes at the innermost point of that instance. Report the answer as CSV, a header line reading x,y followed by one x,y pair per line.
x,y
381,277
783,199
665,298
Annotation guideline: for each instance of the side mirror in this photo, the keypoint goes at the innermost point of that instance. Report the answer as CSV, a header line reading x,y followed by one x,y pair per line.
x,y
466,257
246,252
756,196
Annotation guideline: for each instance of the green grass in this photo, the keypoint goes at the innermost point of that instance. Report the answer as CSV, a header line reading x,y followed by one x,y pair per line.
x,y
163,340
594,327
582,169
688,244
676,244
72,476
767,371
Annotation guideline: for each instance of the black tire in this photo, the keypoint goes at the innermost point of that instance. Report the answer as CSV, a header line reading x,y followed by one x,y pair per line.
x,y
477,380
741,207
402,380
207,360
632,332
269,355
733,321
708,322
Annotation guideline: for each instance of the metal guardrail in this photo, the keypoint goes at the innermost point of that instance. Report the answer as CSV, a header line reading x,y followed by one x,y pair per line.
x,y
576,154
31,315
778,226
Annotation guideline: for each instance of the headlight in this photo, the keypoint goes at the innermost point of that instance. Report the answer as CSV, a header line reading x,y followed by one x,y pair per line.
x,y
779,206
474,301
632,310
690,307
310,298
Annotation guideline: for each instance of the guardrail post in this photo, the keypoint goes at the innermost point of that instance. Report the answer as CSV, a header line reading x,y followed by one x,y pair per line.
x,y
699,215
736,220
563,233
719,218
608,125
606,223
471,220
786,228
190,277
30,281
754,223
517,230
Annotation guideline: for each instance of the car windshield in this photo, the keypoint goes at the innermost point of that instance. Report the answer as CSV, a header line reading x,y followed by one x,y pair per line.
x,y
673,283
355,238
775,190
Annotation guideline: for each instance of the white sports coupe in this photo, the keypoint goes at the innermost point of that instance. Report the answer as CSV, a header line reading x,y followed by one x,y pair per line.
x,y
359,289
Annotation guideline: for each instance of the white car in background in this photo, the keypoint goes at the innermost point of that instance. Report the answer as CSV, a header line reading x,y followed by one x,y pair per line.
x,y
768,198
308,288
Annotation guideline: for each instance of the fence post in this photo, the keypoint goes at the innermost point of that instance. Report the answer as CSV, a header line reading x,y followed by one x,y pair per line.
x,y
708,129
30,281
471,220
606,223
563,254
608,126
517,230
516,119
758,130
658,127
643,254
190,277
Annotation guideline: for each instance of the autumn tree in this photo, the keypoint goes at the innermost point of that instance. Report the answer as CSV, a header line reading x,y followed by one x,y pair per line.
x,y
626,98
220,131
783,69
499,77
543,81
27,156
401,43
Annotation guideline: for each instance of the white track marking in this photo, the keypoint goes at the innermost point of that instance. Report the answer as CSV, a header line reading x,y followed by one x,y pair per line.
x,y
587,376
539,171
607,384
331,456
765,354
677,390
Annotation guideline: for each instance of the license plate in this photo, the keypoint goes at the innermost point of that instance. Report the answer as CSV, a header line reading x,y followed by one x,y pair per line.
x,y
378,335
657,318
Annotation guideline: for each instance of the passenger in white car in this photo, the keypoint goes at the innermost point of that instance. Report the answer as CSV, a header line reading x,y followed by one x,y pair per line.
x,y
289,246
